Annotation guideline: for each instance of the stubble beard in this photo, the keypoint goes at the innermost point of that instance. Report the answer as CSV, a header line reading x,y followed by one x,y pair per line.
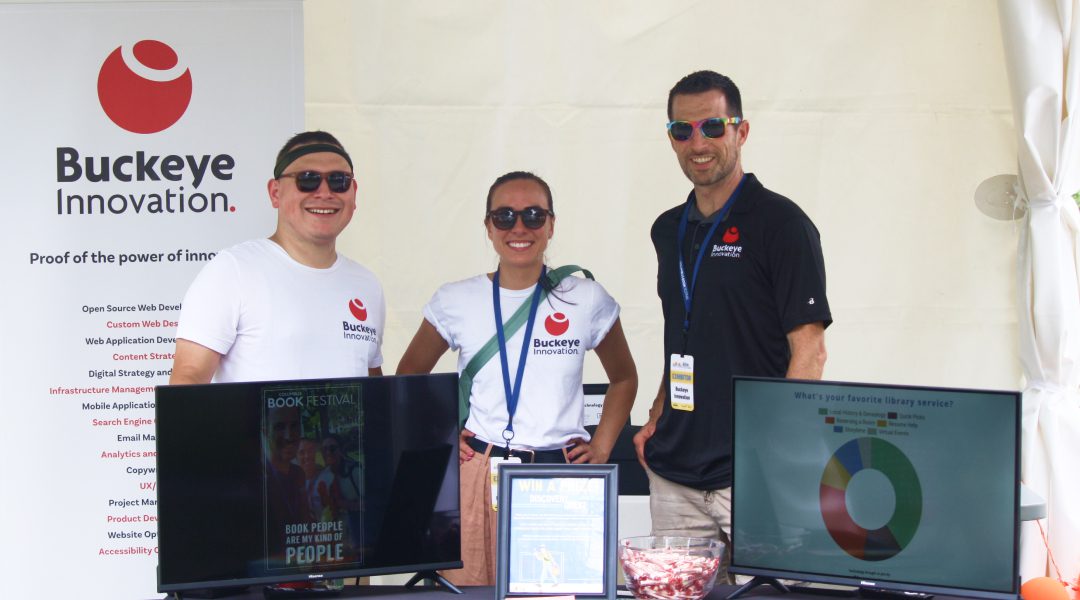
x,y
708,179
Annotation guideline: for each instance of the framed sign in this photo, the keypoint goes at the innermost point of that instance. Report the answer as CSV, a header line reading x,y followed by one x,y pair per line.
x,y
557,530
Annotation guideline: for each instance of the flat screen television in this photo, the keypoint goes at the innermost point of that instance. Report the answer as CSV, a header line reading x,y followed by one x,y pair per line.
x,y
878,487
270,482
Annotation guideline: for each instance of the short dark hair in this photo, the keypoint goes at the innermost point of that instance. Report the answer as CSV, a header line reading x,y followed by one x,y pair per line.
x,y
514,176
307,138
700,82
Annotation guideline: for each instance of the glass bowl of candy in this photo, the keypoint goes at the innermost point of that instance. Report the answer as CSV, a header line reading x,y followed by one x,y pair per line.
x,y
670,568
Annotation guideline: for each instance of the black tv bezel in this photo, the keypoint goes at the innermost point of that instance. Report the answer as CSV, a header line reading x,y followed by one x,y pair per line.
x,y
246,582
886,585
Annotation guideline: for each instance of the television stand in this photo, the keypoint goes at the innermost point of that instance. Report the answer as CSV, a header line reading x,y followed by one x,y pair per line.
x,y
861,592
432,578
276,591
221,592
755,582
886,594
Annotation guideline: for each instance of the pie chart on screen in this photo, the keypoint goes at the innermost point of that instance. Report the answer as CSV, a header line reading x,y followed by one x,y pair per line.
x,y
888,540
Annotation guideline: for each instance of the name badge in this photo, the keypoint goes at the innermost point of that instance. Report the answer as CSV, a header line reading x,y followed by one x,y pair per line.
x,y
681,390
493,466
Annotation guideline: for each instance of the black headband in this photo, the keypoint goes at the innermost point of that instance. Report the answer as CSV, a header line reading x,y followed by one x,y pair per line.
x,y
289,157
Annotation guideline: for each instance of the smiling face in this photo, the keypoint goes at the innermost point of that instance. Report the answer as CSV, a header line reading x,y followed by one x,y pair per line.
x,y
331,451
708,162
520,247
312,219
283,434
305,457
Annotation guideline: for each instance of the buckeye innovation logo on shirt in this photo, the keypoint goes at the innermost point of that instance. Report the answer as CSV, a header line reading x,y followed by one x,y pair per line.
x,y
730,247
358,330
556,324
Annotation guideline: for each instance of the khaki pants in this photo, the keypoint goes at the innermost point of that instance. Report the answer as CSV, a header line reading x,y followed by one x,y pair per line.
x,y
678,510
479,525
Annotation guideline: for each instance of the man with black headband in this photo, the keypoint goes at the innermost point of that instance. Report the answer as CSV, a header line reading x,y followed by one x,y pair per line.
x,y
287,307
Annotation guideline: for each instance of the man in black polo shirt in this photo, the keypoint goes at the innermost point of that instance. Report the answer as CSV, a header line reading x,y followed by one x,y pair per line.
x,y
741,279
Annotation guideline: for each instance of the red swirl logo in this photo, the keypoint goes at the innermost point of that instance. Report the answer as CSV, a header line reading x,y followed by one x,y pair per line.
x,y
358,310
557,324
731,235
144,88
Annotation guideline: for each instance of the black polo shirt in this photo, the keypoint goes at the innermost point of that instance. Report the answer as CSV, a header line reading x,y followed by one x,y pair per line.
x,y
762,275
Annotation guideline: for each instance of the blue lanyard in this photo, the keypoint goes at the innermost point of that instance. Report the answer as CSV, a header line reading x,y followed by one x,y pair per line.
x,y
512,393
688,289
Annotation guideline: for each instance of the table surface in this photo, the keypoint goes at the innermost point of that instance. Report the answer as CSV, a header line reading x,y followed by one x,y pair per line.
x,y
396,592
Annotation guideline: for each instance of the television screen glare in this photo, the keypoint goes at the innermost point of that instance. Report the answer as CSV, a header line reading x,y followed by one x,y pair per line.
x,y
268,482
890,487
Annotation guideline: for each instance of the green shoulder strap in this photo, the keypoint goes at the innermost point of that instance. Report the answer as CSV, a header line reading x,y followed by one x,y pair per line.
x,y
491,348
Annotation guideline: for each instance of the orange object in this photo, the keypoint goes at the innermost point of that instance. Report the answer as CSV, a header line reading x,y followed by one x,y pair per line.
x,y
1043,588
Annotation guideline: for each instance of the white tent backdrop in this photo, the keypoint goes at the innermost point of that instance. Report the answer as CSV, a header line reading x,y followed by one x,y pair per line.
x,y
1043,58
878,118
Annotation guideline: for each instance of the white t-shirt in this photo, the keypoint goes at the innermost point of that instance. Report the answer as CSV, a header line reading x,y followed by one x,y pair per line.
x,y
272,318
572,320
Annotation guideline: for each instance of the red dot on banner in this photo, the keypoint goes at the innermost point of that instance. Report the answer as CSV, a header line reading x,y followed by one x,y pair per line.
x,y
232,209
155,55
142,105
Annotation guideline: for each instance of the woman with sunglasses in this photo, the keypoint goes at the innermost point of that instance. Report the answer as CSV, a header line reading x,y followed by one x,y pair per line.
x,y
526,400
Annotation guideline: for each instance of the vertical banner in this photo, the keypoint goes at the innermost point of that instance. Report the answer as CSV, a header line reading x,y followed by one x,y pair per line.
x,y
138,139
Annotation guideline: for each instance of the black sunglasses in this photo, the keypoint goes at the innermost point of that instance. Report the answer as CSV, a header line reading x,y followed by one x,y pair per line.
x,y
680,131
309,181
532,217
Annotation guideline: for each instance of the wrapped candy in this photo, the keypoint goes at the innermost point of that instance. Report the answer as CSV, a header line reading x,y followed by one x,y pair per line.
x,y
664,569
